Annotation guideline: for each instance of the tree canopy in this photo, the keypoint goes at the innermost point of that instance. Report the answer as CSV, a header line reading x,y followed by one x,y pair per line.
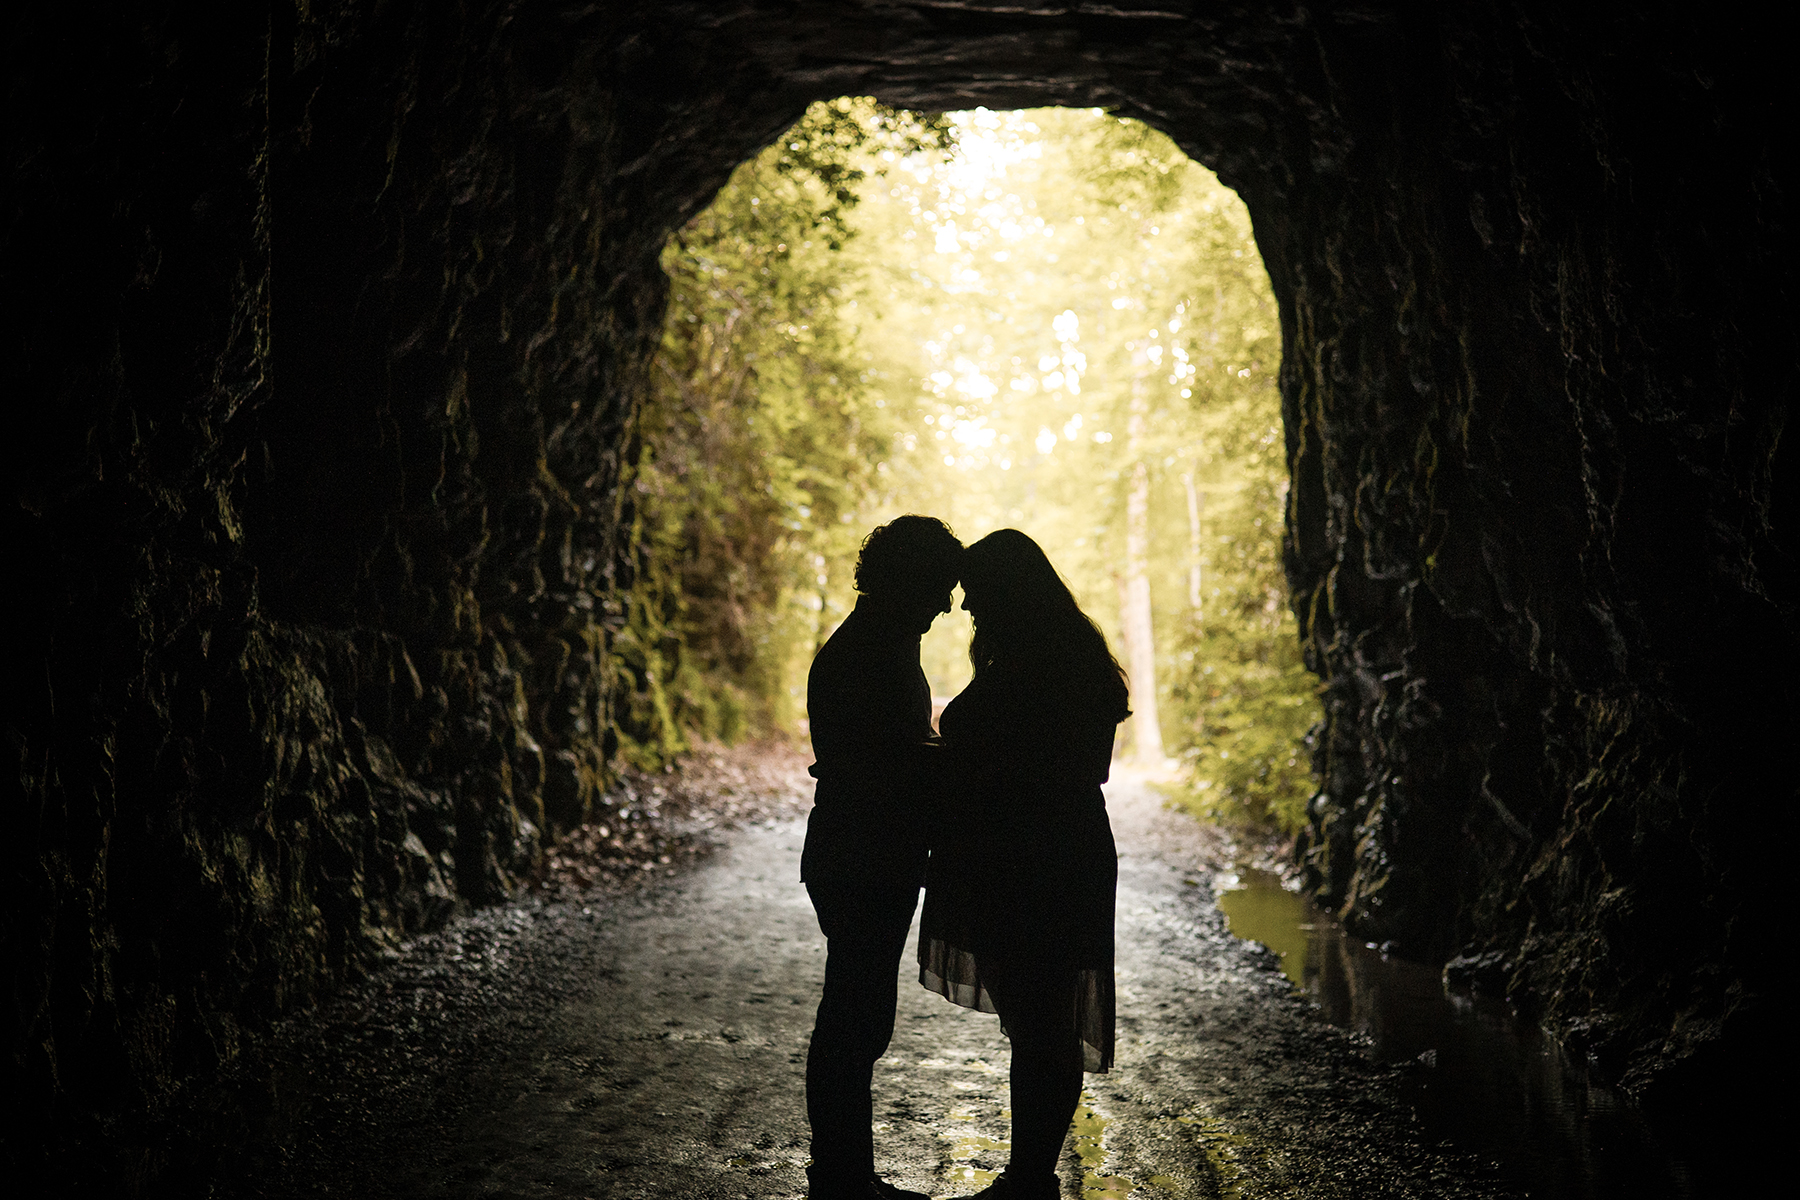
x,y
1051,320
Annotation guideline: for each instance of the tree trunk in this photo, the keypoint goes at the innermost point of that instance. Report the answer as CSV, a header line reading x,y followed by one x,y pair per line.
x,y
1196,501
1140,639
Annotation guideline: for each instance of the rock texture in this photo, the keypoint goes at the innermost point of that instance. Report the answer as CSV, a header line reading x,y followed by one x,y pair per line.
x,y
329,320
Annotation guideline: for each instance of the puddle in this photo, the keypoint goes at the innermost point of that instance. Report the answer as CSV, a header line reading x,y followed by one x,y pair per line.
x,y
1088,1137
972,1158
974,1146
1090,1146
1489,1084
1224,1150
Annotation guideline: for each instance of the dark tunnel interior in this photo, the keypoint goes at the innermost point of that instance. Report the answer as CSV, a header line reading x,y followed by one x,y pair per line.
x,y
329,324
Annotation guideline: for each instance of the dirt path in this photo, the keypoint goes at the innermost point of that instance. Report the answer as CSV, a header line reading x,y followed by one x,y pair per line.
x,y
654,1046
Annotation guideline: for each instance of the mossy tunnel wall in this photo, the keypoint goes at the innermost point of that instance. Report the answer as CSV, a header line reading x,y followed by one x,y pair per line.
x,y
329,324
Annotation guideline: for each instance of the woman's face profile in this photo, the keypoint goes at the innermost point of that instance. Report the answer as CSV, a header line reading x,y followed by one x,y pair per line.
x,y
974,601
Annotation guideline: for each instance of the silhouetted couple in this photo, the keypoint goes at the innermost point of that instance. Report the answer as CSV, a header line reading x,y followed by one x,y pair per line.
x,y
1001,820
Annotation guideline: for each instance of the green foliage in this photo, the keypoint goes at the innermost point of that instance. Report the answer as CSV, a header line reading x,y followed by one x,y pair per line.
x,y
757,443
998,319
1244,698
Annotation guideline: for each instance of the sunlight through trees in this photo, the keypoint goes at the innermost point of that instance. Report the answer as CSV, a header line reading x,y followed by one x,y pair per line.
x,y
1051,320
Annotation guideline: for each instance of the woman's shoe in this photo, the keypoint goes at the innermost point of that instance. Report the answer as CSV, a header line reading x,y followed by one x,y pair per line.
x,y
876,1189
1010,1187
881,1189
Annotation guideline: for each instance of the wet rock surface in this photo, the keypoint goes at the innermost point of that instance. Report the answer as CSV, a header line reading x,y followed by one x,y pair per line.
x,y
655,1046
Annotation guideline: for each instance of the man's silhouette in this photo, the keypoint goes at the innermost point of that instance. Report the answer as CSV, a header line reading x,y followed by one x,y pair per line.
x,y
869,707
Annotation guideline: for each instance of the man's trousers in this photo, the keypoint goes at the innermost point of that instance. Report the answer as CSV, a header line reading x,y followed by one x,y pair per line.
x,y
865,923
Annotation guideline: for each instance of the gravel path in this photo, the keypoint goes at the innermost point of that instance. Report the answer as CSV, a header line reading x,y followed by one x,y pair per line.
x,y
653,1044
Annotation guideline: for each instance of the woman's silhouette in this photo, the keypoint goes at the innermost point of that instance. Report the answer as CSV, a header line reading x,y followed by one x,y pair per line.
x,y
1019,898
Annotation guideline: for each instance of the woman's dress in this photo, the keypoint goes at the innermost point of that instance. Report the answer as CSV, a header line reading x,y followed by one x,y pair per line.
x,y
1023,870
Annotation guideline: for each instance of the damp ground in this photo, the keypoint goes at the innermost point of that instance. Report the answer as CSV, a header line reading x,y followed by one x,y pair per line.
x,y
646,1037
1472,1072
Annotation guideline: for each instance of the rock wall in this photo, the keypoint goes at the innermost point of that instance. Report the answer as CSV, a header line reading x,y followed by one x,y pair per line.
x,y
1540,532
333,316
318,397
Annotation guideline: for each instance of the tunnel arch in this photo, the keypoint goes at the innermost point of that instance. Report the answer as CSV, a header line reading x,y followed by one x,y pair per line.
x,y
339,317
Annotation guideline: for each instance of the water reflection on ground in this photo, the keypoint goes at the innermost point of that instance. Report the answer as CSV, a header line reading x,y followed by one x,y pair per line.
x,y
1493,1086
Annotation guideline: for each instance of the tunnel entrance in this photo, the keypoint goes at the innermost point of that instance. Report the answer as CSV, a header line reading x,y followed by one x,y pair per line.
x,y
1050,320
340,321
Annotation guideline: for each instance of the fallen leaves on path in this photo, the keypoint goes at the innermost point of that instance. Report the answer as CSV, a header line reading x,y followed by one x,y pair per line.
x,y
654,821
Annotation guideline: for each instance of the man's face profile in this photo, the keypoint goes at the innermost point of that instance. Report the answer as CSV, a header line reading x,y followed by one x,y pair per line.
x,y
929,605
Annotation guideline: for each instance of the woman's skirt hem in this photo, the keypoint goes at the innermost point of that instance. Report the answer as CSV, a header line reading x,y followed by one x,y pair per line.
x,y
955,974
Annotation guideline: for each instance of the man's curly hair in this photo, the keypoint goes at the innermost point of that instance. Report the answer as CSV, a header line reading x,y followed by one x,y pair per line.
x,y
910,553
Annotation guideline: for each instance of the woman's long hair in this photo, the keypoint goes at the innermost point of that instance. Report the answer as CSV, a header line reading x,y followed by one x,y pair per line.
x,y
1029,622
